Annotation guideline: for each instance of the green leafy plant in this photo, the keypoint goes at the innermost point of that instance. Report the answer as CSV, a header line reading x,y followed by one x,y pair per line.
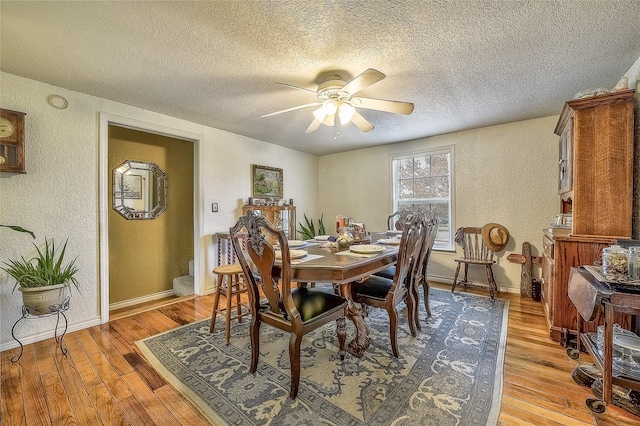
x,y
43,270
309,231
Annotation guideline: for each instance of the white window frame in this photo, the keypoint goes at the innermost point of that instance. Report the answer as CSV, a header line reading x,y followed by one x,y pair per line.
x,y
450,150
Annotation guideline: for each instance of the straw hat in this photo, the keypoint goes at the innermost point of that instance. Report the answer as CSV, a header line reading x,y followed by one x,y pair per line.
x,y
495,236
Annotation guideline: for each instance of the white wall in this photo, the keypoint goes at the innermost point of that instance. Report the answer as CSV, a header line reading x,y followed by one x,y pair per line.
x,y
58,196
505,174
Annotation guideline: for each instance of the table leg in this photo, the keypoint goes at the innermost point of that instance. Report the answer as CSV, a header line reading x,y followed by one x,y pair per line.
x,y
362,339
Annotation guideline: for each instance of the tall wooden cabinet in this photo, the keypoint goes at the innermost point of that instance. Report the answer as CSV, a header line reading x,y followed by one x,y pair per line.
x,y
596,163
595,182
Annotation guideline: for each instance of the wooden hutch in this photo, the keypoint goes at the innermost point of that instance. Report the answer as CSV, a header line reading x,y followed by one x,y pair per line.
x,y
283,217
595,182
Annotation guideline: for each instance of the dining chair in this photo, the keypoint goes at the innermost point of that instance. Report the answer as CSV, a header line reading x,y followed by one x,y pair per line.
x,y
397,219
419,274
475,252
380,292
296,310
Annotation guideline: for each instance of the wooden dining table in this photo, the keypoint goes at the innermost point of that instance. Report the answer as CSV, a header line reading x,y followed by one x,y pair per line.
x,y
342,270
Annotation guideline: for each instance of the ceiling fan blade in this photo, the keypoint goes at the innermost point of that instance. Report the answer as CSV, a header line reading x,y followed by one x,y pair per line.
x,y
366,79
292,109
361,122
298,88
395,107
313,126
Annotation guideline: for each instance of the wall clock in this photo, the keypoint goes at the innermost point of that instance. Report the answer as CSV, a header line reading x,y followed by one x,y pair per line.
x,y
11,141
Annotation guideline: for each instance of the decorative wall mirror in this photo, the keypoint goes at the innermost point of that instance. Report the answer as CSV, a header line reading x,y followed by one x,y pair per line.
x,y
139,190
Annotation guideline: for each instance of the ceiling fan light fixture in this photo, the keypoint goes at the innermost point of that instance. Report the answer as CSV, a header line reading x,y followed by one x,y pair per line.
x,y
330,106
346,112
320,114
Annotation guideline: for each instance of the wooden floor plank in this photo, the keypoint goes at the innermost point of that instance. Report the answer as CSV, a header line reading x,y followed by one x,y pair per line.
x,y
145,396
77,391
180,408
36,412
110,377
11,393
57,400
105,405
84,366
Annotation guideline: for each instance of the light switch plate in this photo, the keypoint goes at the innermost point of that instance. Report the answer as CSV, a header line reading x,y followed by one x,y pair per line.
x,y
214,207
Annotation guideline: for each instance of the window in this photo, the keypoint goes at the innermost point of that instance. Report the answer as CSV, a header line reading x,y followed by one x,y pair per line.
x,y
424,181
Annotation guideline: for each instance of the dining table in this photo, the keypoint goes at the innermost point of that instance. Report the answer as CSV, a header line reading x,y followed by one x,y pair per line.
x,y
343,268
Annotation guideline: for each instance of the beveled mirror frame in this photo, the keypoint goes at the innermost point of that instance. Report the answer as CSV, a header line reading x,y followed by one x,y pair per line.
x,y
139,190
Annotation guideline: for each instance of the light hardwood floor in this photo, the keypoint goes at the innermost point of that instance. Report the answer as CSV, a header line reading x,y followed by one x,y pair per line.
x,y
104,380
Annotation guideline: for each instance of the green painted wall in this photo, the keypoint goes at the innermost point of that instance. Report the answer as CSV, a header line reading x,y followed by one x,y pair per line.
x,y
146,255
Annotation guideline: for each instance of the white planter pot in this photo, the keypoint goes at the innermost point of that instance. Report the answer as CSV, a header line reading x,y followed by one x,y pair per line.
x,y
39,300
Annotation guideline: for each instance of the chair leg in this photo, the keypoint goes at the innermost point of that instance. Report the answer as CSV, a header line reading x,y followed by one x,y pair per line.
x,y
216,299
493,287
236,289
294,359
455,278
416,308
254,335
466,271
425,288
393,330
411,312
229,296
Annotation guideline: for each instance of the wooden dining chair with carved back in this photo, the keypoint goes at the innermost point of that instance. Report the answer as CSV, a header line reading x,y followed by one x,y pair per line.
x,y
295,310
396,220
380,292
419,274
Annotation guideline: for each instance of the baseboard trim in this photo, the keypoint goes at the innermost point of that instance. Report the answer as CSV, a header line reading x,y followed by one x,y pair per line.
x,y
33,338
140,300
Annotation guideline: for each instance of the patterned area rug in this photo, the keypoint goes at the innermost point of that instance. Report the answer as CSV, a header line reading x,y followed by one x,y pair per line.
x,y
450,374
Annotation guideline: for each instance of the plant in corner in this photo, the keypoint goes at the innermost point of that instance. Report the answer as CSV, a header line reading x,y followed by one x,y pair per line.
x,y
46,273
309,231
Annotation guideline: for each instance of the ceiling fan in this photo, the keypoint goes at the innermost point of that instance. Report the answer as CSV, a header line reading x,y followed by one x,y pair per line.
x,y
337,97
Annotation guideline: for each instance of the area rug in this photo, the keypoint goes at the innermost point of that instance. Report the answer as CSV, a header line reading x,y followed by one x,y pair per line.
x,y
450,374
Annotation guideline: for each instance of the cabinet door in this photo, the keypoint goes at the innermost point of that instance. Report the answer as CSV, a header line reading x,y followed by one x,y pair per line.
x,y
565,169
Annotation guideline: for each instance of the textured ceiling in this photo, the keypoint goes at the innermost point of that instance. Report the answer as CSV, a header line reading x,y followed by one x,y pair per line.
x,y
465,64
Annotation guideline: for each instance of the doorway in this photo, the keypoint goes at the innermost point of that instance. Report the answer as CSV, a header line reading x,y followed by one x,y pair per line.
x,y
147,252
140,258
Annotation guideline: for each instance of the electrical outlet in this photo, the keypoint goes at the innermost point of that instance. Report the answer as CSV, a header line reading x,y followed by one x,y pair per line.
x,y
214,207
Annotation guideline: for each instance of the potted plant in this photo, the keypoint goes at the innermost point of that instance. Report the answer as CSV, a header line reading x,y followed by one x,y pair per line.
x,y
42,279
309,231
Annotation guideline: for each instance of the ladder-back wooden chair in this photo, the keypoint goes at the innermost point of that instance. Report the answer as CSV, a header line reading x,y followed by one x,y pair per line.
x,y
475,252
380,292
295,310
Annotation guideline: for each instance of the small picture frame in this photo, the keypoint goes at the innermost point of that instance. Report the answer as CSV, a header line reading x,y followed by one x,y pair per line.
x,y
129,186
267,182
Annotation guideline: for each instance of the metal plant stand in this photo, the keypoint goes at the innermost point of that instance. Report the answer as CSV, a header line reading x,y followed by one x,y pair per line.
x,y
57,310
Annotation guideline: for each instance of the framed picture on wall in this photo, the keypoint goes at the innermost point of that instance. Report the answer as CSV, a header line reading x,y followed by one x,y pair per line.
x,y
267,182
128,186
